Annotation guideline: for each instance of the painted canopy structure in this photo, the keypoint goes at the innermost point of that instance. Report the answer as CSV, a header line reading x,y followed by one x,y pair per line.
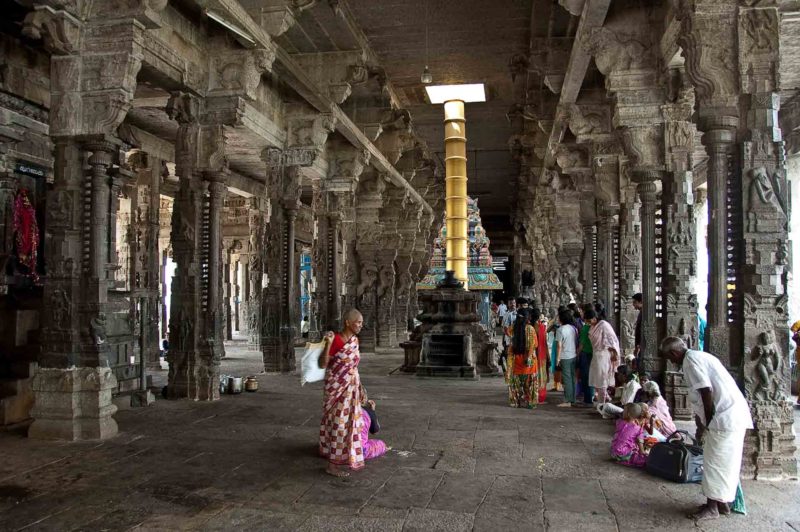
x,y
481,275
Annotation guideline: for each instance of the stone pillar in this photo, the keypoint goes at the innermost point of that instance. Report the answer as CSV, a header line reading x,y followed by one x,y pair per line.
x,y
368,247
340,189
588,263
253,271
588,215
278,299
291,273
332,274
680,247
647,189
638,94
145,270
228,282
74,385
718,138
606,228
215,310
194,351
764,283
630,281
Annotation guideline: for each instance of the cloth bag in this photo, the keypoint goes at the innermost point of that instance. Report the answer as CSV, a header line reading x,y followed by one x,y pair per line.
x,y
309,362
677,460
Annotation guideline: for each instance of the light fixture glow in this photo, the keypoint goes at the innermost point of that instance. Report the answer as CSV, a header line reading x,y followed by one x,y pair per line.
x,y
426,77
468,92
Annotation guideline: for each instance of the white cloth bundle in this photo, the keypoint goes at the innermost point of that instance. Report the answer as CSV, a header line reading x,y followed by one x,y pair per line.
x,y
309,363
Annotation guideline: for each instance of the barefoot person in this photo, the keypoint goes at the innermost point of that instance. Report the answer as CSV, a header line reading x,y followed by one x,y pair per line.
x,y
722,415
341,430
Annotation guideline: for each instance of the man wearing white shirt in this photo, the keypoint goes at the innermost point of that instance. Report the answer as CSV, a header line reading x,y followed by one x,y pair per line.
x,y
502,309
722,415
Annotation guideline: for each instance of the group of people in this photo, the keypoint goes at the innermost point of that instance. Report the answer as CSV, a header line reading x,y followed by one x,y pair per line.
x,y
584,351
582,338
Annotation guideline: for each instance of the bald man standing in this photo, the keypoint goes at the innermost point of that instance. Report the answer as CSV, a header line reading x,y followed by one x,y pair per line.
x,y
722,415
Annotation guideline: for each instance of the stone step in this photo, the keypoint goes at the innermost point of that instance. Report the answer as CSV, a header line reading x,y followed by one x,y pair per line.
x,y
17,407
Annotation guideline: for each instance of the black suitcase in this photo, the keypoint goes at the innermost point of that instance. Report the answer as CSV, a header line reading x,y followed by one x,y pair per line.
x,y
677,460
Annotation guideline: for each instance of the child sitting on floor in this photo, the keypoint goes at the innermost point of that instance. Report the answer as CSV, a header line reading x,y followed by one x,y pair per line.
x,y
627,447
649,423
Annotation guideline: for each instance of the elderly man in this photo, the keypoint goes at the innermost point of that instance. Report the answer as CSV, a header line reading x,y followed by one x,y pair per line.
x,y
722,415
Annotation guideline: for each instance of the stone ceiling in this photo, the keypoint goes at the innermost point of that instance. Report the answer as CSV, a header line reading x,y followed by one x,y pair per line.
x,y
468,41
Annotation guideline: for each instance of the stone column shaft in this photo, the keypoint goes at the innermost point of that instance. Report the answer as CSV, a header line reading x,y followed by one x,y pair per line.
x,y
647,189
718,139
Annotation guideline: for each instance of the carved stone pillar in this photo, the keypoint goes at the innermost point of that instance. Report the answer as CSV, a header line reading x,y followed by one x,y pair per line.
x,y
588,263
331,285
638,92
647,189
606,229
278,299
588,215
340,187
630,282
253,271
680,247
368,247
194,354
74,385
215,311
145,263
763,278
719,138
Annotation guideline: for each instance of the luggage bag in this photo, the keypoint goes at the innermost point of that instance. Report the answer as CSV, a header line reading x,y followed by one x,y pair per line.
x,y
677,460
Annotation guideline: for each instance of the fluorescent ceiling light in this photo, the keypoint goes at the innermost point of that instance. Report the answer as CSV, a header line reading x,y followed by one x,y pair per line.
x,y
470,92
244,38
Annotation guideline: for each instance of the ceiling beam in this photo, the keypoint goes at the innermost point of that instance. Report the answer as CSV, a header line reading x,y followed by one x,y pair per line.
x,y
297,79
300,82
594,14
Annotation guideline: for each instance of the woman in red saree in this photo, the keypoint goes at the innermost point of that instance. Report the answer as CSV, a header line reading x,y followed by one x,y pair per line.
x,y
341,434
542,352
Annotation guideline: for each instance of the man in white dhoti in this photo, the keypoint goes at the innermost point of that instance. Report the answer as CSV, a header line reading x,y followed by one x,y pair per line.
x,y
722,416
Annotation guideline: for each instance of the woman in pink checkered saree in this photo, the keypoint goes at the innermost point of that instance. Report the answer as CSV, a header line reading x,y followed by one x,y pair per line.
x,y
343,433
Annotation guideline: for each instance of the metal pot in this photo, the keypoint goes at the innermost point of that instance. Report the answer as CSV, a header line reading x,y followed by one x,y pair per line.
x,y
251,384
234,385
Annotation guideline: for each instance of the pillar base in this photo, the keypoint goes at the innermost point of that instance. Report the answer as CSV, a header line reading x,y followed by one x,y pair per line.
x,y
193,380
73,404
278,354
142,398
769,449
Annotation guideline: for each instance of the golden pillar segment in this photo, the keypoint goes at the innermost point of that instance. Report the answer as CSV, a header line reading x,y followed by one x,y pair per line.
x,y
455,162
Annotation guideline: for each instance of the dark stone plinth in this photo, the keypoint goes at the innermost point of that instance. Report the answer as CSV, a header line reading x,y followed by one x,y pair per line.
x,y
411,349
452,341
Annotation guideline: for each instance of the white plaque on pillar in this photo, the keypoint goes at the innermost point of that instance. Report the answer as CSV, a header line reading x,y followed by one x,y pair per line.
x,y
264,279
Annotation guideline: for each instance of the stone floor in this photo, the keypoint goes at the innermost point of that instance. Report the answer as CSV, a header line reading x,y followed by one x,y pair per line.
x,y
461,460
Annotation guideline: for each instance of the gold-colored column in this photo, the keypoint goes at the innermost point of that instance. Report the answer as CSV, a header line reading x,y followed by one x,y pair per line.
x,y
455,163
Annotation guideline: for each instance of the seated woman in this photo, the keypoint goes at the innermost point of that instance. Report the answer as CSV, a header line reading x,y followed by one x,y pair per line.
x,y
372,448
658,407
627,447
